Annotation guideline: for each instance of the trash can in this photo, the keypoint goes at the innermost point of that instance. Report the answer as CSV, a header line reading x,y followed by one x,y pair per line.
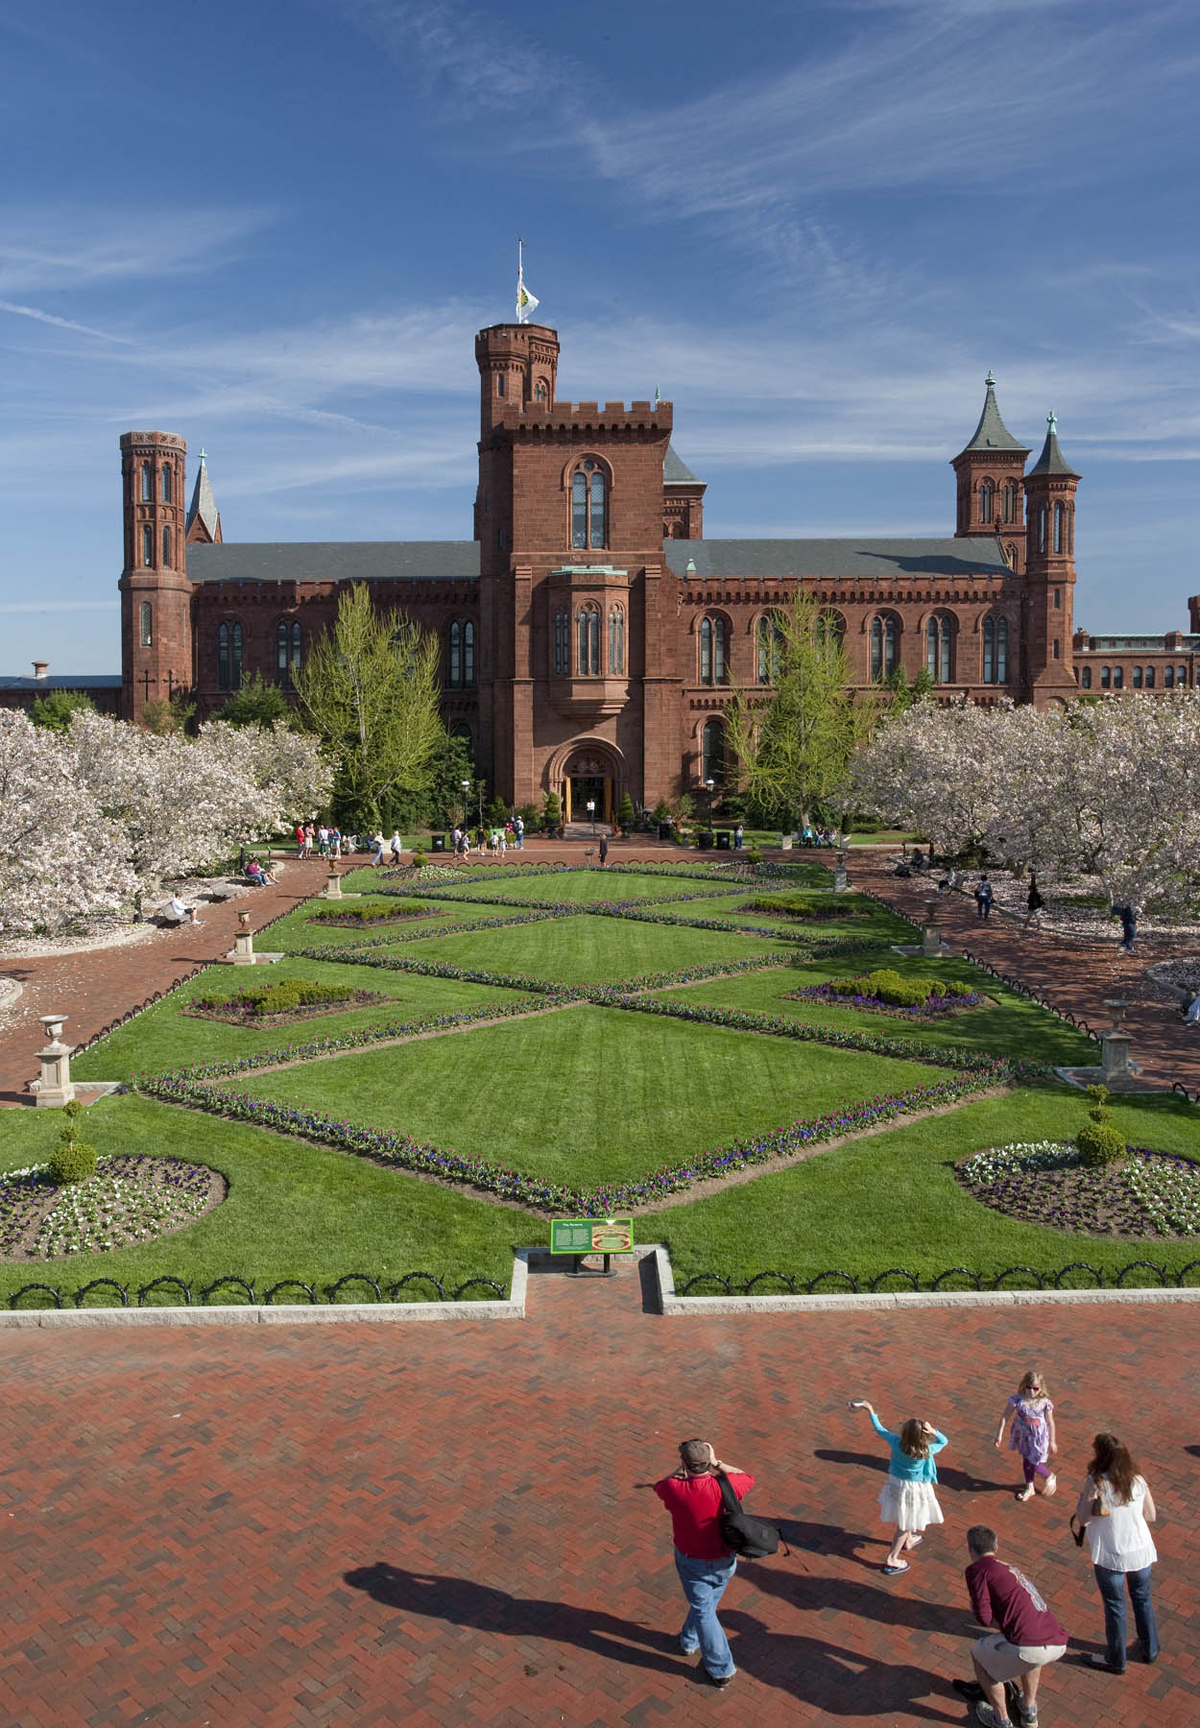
x,y
664,830
437,843
723,840
704,839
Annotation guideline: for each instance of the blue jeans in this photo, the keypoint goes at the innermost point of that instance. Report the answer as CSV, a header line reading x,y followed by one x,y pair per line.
x,y
1112,1592
704,1584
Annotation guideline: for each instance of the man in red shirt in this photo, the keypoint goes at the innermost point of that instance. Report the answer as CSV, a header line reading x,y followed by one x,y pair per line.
x,y
1030,1636
705,1565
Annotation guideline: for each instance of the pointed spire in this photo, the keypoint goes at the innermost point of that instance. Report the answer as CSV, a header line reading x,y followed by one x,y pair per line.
x,y
991,432
1052,460
203,508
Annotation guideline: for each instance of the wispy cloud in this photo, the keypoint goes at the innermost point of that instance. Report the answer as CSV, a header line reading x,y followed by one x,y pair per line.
x,y
60,606
65,248
59,323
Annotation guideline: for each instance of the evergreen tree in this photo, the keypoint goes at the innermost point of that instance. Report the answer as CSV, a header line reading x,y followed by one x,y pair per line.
x,y
257,703
55,708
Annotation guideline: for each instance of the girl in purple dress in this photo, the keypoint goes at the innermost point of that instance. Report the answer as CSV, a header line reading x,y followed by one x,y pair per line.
x,y
1032,1434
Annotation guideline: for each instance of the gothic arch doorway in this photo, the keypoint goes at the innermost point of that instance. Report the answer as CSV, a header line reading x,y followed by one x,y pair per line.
x,y
588,771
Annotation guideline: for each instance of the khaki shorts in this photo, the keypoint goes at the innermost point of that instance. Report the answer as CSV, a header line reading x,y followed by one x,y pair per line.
x,y
1005,1661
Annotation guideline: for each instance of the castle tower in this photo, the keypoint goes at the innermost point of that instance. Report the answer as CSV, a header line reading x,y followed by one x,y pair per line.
x,y
990,474
1050,489
203,518
156,652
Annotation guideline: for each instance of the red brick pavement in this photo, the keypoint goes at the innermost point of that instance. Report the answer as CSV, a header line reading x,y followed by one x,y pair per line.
x,y
1072,974
290,1527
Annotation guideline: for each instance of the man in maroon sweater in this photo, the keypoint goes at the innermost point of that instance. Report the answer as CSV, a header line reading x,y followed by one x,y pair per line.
x,y
705,1565
1030,1636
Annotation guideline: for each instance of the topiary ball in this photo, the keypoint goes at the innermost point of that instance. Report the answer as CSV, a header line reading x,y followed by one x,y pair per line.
x,y
1100,1145
72,1161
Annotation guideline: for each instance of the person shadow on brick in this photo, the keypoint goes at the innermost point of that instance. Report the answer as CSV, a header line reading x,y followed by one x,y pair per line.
x,y
463,1602
958,1481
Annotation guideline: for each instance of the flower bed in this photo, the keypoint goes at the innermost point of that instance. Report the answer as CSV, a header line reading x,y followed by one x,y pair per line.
x,y
376,912
1046,1182
868,996
812,908
130,1199
281,1004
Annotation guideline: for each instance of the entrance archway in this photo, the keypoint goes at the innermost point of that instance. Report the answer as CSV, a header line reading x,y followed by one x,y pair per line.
x,y
588,769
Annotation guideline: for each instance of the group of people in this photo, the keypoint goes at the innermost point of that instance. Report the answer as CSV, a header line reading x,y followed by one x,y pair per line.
x,y
1021,1634
499,837
379,846
326,841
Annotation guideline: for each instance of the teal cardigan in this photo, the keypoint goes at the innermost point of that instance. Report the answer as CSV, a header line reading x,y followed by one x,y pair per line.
x,y
904,1468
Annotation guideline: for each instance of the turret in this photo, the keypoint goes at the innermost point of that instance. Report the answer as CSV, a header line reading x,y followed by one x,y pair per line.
x,y
989,471
203,517
156,659
1050,488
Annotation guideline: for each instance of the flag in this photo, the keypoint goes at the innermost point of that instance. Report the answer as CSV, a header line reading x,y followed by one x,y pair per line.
x,y
526,302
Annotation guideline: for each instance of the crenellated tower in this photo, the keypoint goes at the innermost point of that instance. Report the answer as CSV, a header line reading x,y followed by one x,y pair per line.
x,y
156,659
1050,486
990,472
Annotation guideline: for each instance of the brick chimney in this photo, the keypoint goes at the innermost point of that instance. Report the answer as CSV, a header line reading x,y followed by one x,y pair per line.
x,y
40,668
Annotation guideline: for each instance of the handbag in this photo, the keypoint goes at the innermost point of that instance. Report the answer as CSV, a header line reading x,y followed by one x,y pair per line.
x,y
752,1538
1077,1534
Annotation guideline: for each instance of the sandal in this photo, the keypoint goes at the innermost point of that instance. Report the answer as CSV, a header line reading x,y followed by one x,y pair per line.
x,y
890,1571
913,1541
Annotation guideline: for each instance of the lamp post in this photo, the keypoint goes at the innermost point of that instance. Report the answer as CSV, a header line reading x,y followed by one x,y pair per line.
x,y
591,810
466,789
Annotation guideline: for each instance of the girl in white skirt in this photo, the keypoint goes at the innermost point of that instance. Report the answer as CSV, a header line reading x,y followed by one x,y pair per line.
x,y
907,1499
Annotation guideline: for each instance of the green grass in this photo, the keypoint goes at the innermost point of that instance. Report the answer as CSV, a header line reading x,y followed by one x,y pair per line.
x,y
736,909
165,1037
1014,1026
293,1210
890,1199
578,886
299,930
587,1095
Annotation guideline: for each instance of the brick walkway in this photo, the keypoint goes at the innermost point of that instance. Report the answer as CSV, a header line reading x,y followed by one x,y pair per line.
x,y
1074,975
293,1527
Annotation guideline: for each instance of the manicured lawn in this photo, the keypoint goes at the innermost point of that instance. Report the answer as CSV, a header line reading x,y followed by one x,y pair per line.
x,y
587,1095
890,1200
578,886
1012,1025
585,950
165,1037
293,1210
300,930
738,909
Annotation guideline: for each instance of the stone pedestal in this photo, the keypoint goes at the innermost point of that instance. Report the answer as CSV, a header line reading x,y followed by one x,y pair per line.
x,y
841,878
54,1088
333,887
243,942
785,842
931,934
1114,1058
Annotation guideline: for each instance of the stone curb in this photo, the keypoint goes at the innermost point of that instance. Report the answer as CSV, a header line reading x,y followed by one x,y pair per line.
x,y
712,1307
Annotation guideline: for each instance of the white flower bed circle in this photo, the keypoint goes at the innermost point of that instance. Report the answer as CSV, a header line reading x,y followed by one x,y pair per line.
x,y
130,1200
1047,1182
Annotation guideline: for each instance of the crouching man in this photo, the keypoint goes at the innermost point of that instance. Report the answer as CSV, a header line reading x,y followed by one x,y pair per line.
x,y
1029,1635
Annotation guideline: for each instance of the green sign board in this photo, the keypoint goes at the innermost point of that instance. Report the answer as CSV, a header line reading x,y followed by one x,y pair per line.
x,y
591,1236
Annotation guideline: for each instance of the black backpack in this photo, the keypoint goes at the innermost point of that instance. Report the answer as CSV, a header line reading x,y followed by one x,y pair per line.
x,y
748,1536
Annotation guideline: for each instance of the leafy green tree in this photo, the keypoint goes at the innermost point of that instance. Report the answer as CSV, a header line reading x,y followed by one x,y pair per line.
x,y
794,747
369,689
922,684
257,703
551,811
901,694
55,708
169,718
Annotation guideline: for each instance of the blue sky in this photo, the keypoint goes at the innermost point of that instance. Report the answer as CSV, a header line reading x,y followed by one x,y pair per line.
x,y
273,228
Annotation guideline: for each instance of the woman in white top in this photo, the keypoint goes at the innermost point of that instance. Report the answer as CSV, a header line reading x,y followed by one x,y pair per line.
x,y
1117,1508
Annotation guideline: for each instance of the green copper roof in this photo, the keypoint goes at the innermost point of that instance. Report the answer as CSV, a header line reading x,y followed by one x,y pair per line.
x,y
991,432
1052,460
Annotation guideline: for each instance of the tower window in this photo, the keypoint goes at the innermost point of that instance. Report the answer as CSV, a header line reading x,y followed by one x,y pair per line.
x,y
147,483
146,624
1058,530
288,647
462,654
986,499
499,383
1085,678
166,544
588,622
166,484
714,651
539,390
1010,553
589,505
1057,598
1057,649
562,653
939,658
884,636
1041,527
616,640
1010,501
712,752
147,545
769,643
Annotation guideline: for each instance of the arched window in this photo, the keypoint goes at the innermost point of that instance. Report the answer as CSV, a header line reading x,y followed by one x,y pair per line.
x,y
1002,651
1106,677
769,648
714,650
588,625
1168,677
562,650
462,654
166,483
146,624
1180,677
1137,677
288,641
166,537
539,391
1149,677
1041,527
616,640
986,496
589,505
1010,554
468,653
713,752
1085,678
499,383
884,638
1010,501
1058,528
455,655
1118,678
147,545
229,657
147,483
939,648
830,630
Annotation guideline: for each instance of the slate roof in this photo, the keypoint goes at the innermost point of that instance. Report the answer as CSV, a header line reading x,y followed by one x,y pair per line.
x,y
675,472
82,681
874,560
1052,460
991,432
203,504
335,561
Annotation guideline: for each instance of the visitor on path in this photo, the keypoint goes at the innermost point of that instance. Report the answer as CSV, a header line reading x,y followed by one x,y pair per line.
x,y
1029,1639
1032,1433
705,1565
519,831
335,842
300,839
1034,902
603,850
1128,918
739,835
310,836
395,845
1116,1509
983,896
907,1499
258,876
377,844
1191,1014
323,841
178,911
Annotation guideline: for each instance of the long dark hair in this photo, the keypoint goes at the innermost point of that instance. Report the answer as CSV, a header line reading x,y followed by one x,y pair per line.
x,y
1111,1460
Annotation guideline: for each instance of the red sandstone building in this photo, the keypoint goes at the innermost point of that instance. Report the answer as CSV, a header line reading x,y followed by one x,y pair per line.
x,y
591,636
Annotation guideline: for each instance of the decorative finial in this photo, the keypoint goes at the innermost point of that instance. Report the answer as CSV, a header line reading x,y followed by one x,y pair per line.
x,y
990,380
1052,421
203,454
